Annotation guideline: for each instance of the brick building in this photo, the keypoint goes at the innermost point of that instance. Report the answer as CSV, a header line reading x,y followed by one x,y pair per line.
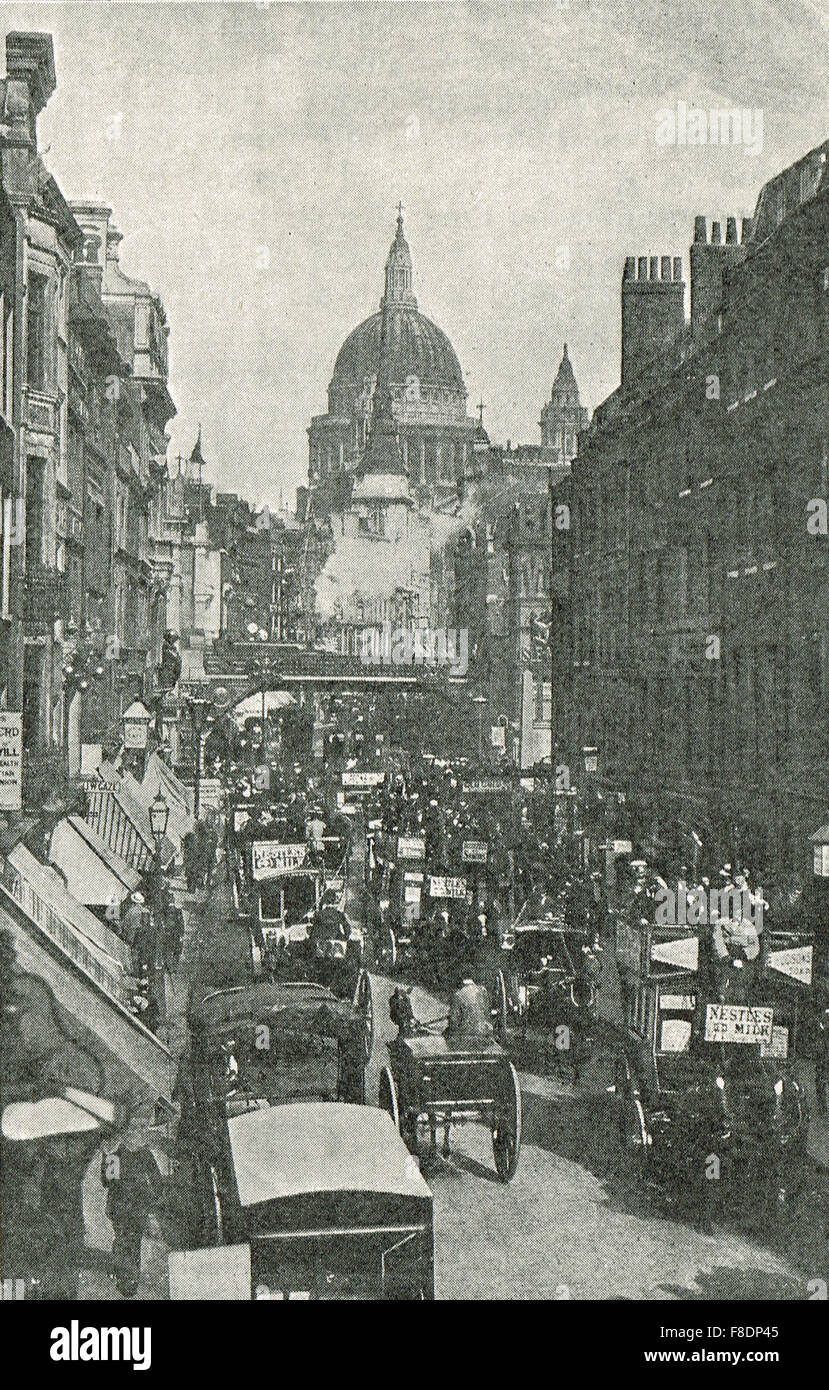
x,y
699,663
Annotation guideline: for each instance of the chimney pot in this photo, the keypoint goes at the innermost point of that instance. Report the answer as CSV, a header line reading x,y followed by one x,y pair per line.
x,y
629,272
642,268
748,227
716,234
731,231
665,268
654,275
700,229
677,269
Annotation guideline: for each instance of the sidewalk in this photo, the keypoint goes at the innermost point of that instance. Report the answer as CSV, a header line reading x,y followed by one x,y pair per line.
x,y
95,1282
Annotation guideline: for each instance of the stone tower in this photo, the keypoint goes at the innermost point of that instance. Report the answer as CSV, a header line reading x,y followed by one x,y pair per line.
x,y
563,415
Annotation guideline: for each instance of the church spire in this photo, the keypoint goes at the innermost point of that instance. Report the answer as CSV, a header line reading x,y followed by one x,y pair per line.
x,y
399,269
383,452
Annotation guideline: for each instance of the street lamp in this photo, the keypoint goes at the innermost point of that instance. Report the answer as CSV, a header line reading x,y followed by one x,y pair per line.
x,y
159,813
197,708
480,701
159,816
258,634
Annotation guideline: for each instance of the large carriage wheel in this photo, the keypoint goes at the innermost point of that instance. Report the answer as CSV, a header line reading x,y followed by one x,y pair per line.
x,y
506,1132
636,1136
386,949
387,1096
215,1222
364,1003
499,1008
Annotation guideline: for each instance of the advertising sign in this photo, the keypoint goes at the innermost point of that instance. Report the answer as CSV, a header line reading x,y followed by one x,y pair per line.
x,y
442,887
410,848
270,859
240,819
738,1023
487,785
474,852
11,761
796,962
363,779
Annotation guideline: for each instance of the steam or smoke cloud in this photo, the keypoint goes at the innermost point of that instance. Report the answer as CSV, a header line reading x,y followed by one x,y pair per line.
x,y
363,568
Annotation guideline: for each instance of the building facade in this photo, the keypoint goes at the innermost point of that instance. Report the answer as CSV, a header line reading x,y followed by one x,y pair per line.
x,y
700,586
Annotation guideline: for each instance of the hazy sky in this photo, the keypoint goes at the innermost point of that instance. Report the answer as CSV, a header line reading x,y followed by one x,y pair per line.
x,y
263,148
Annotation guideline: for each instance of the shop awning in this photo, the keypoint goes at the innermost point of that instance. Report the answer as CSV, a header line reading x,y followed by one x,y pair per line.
x,y
94,874
120,814
40,889
97,1040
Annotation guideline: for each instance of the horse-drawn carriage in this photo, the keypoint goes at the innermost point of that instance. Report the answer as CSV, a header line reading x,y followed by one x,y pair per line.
x,y
435,1081
292,1196
304,933
704,1026
540,976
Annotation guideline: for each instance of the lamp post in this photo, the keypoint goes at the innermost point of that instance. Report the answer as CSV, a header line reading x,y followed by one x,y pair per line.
x,y
480,701
159,816
258,634
197,707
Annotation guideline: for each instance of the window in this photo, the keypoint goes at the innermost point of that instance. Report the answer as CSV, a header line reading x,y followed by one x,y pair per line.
x,y
34,513
37,332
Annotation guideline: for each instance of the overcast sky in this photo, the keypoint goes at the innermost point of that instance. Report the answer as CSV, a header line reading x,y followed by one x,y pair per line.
x,y
262,149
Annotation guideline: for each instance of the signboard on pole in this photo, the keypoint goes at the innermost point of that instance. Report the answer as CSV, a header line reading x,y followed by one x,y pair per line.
x,y
410,848
363,779
11,761
136,725
269,858
474,851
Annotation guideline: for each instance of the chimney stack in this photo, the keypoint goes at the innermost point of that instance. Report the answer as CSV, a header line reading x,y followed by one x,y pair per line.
x,y
653,310
709,260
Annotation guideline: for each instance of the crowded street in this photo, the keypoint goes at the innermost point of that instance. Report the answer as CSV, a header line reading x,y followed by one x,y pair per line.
x,y
573,1223
414,667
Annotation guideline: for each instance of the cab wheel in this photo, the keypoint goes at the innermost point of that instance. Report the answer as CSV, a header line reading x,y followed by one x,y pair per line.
x,y
364,1004
387,1097
499,1008
387,950
635,1134
506,1131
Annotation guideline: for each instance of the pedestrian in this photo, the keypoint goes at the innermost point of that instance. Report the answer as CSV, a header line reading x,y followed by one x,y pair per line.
x,y
190,855
133,1186
173,935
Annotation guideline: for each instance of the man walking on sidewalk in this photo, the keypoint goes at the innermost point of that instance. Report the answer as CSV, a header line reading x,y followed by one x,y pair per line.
x,y
133,1184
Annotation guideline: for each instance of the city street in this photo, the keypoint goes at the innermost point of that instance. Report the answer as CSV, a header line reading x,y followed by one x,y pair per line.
x,y
570,1226
414,653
